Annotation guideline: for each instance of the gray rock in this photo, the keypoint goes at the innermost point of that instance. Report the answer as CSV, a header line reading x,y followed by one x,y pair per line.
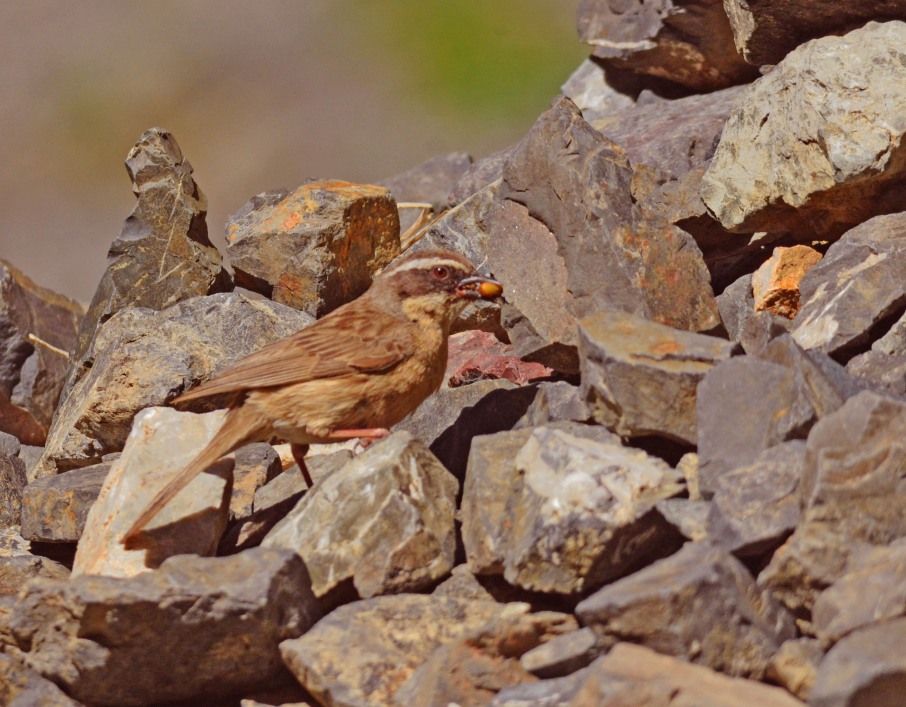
x,y
32,373
142,358
855,287
17,568
162,442
383,521
850,493
736,304
700,605
12,482
316,247
290,483
555,401
162,255
392,636
766,31
760,329
559,510
462,584
824,157
562,655
756,507
592,93
689,517
21,686
481,174
639,378
194,629
865,668
54,509
429,182
686,43
885,363
556,692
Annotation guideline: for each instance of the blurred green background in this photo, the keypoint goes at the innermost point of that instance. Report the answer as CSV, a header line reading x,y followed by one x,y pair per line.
x,y
258,94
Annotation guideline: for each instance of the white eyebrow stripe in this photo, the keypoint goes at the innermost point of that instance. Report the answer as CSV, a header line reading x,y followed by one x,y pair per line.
x,y
422,263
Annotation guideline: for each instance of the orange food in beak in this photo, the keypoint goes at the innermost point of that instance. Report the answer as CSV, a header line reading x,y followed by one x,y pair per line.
x,y
489,290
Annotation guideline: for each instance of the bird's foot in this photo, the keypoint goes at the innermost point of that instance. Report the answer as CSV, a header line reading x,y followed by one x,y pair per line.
x,y
365,437
299,451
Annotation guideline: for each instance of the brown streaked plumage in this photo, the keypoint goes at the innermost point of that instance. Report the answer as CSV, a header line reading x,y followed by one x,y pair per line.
x,y
354,373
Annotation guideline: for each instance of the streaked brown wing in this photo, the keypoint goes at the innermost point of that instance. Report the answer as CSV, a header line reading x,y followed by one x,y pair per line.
x,y
368,341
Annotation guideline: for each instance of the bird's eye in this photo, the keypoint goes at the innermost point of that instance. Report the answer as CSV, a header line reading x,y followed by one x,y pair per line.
x,y
441,273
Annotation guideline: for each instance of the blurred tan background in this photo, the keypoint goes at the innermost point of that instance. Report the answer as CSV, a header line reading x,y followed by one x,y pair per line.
x,y
258,94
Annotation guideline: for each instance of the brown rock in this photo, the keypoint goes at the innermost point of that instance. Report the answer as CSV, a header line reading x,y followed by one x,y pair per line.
x,y
31,372
640,378
314,248
700,605
163,255
197,629
20,685
562,655
591,90
795,665
384,521
684,42
392,636
254,466
162,442
775,284
12,482
479,355
462,584
819,159
54,509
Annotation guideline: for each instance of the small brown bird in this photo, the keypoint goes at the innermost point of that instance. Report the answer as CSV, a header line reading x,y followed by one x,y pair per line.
x,y
354,373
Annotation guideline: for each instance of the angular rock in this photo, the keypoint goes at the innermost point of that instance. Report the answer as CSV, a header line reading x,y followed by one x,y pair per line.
x,y
756,507
560,510
795,665
589,88
18,568
290,483
383,521
162,255
556,692
775,284
639,378
199,628
481,174
851,494
814,147
761,329
430,182
314,248
478,355
736,305
555,401
602,251
689,517
161,443
885,363
634,675
462,584
700,605
865,668
392,636
562,655
142,358
254,466
855,289
449,420
872,590
54,509
472,669
767,30
12,482
21,686
32,371
686,42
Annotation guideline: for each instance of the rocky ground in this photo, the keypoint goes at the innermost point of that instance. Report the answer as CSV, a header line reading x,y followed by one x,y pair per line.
x,y
667,470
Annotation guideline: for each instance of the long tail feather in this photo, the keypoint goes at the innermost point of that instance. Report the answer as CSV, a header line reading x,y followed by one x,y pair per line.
x,y
235,432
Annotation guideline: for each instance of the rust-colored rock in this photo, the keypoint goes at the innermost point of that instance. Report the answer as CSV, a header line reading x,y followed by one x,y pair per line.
x,y
775,284
479,355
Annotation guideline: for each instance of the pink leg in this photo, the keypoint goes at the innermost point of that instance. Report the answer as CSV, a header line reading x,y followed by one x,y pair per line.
x,y
366,437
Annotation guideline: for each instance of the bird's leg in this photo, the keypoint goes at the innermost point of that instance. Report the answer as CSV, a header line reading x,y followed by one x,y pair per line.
x,y
299,451
366,437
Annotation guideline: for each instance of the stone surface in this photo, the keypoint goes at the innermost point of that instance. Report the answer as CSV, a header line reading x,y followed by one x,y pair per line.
x,y
19,567
555,401
855,288
700,605
141,358
872,590
686,42
54,509
12,481
561,510
462,584
815,145
481,174
316,247
865,668
478,355
885,363
795,665
290,482
392,636
736,304
562,655
21,686
161,443
639,378
429,183
767,30
689,517
32,373
851,493
383,521
589,88
163,254
775,285
761,329
197,627
254,466
756,507
449,420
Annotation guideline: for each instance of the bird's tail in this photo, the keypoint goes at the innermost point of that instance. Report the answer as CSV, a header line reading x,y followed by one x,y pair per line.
x,y
235,432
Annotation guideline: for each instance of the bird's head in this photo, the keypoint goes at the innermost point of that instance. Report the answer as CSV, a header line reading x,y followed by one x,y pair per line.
x,y
435,284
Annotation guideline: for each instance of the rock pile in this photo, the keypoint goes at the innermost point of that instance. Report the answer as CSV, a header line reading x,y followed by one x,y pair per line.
x,y
668,469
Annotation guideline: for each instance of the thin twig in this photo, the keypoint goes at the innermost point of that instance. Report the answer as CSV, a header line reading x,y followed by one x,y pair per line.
x,y
418,229
40,342
414,205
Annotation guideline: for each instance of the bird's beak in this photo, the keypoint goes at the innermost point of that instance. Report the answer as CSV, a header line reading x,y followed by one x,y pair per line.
x,y
479,287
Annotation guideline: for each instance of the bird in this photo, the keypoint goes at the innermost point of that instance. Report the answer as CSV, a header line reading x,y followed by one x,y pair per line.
x,y
354,373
